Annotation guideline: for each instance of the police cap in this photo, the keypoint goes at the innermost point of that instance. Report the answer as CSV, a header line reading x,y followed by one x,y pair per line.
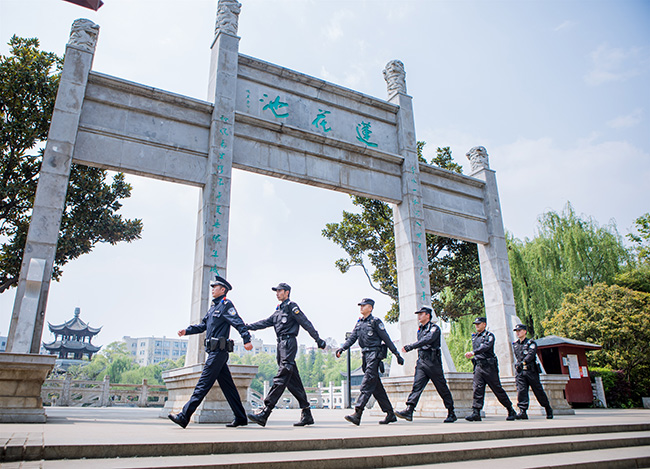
x,y
479,320
367,301
424,309
220,281
520,327
282,286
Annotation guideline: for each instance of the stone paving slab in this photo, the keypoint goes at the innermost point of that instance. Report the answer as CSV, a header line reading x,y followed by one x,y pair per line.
x,y
134,426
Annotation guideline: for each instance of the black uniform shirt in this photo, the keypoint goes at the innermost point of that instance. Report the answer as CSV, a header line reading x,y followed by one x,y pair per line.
x,y
286,320
483,345
371,333
428,338
525,351
216,323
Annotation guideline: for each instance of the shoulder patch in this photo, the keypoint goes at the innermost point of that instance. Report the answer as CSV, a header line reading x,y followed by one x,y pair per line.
x,y
296,309
232,311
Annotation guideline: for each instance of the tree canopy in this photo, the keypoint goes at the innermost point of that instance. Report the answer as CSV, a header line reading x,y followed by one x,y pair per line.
x,y
569,253
616,318
29,81
368,236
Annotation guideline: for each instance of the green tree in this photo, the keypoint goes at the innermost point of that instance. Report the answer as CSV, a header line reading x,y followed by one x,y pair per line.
x,y
368,236
616,318
568,253
641,239
29,81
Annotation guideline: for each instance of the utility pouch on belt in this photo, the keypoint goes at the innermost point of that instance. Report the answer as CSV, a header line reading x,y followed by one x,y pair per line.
x,y
383,351
219,343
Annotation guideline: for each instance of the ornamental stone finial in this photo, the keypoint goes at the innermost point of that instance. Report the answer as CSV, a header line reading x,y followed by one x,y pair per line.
x,y
478,158
227,16
395,77
83,34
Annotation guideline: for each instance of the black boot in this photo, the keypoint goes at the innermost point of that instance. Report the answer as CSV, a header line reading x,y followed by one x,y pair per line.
x,y
522,415
406,414
261,417
512,415
549,412
390,418
475,416
451,416
305,418
179,419
237,423
356,417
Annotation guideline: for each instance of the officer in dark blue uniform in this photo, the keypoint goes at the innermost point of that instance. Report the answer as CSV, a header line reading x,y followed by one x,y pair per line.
x,y
486,371
216,325
371,333
428,367
528,373
286,321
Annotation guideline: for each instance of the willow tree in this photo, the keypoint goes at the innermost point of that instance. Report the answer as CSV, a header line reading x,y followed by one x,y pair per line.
x,y
568,253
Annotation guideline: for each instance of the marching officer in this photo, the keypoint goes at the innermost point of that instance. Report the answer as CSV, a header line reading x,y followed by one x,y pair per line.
x,y
216,325
486,371
428,367
371,333
286,321
528,373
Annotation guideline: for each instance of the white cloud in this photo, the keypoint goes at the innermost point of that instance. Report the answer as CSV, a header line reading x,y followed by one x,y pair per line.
x,y
566,24
612,64
629,120
334,29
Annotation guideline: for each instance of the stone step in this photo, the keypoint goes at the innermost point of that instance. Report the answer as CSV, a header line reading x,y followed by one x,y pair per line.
x,y
22,451
634,447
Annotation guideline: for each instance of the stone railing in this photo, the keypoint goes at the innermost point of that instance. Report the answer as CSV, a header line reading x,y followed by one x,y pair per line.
x,y
321,397
85,393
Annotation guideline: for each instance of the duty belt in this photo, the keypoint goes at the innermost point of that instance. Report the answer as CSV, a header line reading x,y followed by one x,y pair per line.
x,y
286,337
430,352
370,349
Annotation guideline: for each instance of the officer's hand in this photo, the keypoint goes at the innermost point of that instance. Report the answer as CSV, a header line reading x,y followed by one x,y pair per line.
x,y
321,343
339,352
182,332
407,348
400,360
469,354
248,346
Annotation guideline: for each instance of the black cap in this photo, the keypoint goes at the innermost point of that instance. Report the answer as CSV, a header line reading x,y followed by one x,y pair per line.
x,y
221,281
282,286
424,309
367,301
520,327
479,320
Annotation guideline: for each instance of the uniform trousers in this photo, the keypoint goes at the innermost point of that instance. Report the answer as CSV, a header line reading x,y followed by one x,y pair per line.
x,y
430,369
288,376
524,380
371,383
488,374
216,369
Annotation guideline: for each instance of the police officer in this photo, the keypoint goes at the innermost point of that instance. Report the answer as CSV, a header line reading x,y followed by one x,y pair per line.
x,y
428,367
216,325
486,371
371,333
528,373
286,321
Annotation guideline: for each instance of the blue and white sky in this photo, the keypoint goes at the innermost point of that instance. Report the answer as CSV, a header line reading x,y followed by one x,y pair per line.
x,y
558,92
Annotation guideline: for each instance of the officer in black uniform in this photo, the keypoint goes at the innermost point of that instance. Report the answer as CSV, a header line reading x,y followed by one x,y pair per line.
x,y
428,367
371,333
286,320
528,373
486,371
216,325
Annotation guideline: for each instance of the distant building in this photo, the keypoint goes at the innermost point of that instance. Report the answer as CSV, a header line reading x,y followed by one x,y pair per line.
x,y
72,341
151,350
258,347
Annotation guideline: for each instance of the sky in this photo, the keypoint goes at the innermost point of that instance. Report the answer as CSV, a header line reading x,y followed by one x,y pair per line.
x,y
558,93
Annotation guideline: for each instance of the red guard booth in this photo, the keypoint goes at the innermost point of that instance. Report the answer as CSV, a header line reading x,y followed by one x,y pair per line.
x,y
560,355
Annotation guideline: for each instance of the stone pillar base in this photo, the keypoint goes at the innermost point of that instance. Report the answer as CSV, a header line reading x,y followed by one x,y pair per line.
x,y
214,408
460,385
21,379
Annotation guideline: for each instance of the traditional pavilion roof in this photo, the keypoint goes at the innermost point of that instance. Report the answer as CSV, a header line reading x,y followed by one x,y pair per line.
x,y
554,340
71,346
74,327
